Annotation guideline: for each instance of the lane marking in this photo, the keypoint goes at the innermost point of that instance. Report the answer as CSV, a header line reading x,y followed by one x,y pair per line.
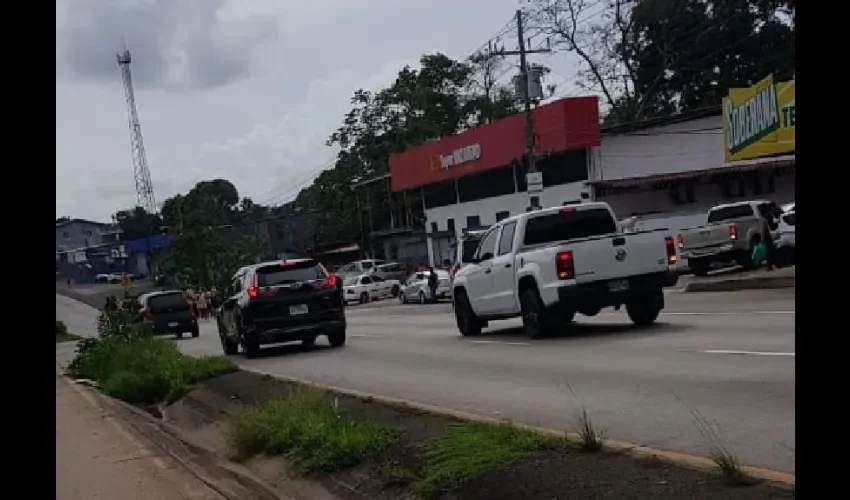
x,y
524,344
724,313
751,353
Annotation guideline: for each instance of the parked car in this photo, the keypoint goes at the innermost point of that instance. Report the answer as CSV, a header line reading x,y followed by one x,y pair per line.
x,y
359,267
391,271
464,249
546,265
281,301
416,287
786,239
731,232
368,287
168,313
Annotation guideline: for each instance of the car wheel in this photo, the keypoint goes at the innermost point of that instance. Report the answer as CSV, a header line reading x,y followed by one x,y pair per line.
x,y
395,290
364,297
534,318
468,323
645,310
196,331
178,335
337,338
228,346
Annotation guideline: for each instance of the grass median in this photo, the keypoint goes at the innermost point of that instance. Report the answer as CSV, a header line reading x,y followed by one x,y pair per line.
x,y
131,364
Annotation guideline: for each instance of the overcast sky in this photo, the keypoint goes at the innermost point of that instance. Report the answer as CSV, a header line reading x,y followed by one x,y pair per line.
x,y
245,90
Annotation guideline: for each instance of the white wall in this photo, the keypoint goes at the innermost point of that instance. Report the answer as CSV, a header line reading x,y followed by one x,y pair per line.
x,y
680,147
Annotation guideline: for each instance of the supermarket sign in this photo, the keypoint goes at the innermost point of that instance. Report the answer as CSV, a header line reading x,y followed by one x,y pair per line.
x,y
759,120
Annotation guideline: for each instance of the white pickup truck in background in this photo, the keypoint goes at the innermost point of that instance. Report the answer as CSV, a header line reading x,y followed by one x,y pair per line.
x,y
546,265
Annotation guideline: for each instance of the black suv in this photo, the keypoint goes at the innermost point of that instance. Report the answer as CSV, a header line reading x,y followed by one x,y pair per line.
x,y
168,312
281,301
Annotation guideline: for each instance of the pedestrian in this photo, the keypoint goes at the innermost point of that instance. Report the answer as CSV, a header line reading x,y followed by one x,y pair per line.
x,y
202,304
432,283
759,255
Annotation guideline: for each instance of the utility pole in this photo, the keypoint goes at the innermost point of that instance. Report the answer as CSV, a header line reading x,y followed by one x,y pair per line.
x,y
534,179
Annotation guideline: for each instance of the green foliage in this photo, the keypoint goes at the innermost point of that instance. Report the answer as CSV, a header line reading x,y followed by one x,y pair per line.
x,y
132,365
470,449
308,427
137,223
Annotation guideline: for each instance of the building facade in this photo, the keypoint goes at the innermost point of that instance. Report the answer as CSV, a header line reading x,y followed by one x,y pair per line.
x,y
75,234
474,179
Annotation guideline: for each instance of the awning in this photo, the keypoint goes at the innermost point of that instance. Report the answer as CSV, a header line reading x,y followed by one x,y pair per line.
x,y
785,161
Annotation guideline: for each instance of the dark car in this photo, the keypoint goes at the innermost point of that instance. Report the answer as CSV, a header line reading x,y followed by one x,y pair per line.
x,y
168,312
281,301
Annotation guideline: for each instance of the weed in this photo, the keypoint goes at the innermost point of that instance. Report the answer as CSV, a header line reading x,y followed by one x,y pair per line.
x,y
310,428
140,369
470,449
590,439
727,463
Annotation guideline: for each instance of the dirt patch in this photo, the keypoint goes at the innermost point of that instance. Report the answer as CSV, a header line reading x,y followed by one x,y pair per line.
x,y
557,472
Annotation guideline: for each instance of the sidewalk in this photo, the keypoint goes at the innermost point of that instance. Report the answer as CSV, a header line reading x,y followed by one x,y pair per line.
x,y
98,458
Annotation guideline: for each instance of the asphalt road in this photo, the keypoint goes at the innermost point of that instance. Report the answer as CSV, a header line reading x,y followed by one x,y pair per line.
x,y
727,356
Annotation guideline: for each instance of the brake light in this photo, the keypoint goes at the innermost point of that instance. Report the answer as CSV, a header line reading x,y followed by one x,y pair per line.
x,y
671,250
253,291
680,240
455,268
330,280
564,265
568,210
733,232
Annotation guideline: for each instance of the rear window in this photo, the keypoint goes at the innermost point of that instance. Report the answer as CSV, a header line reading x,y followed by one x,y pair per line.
x,y
167,301
306,270
730,212
568,225
790,219
350,281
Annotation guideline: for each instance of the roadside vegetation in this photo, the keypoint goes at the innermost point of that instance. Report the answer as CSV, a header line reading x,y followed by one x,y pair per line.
x,y
129,363
62,334
308,427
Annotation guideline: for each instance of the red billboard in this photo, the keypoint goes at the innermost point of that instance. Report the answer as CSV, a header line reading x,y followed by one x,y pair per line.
x,y
563,125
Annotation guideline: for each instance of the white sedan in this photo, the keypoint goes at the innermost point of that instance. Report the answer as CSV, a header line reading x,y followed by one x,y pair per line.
x,y
416,288
367,287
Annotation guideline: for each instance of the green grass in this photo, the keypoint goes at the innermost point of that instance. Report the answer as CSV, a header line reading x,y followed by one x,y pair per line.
x,y
590,438
143,369
66,337
309,428
469,450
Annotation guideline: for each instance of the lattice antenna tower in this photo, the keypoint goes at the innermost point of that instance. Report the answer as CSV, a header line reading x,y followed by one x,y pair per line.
x,y
141,174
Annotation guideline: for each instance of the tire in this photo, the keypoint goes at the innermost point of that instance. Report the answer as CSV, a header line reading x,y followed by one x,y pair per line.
x,y
645,310
251,347
178,335
364,298
395,290
534,316
196,331
468,323
422,298
228,346
337,338
699,267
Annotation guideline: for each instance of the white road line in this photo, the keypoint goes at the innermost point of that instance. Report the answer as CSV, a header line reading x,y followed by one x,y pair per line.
x,y
498,342
750,353
724,313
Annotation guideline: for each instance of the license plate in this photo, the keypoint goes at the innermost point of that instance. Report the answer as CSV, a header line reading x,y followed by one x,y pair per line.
x,y
172,324
618,285
298,310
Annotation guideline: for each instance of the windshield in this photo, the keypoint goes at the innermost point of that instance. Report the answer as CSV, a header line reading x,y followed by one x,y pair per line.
x,y
469,247
568,225
729,213
290,272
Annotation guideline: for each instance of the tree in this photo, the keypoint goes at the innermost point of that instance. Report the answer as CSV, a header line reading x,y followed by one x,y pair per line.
x,y
137,223
651,58
64,218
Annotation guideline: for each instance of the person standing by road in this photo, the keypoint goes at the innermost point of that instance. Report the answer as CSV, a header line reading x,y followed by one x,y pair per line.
x,y
432,283
202,304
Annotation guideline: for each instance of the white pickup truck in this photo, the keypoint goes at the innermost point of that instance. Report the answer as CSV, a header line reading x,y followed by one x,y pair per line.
x,y
546,265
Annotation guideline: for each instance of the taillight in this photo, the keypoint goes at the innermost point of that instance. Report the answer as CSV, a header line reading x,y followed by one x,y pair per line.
x,y
671,250
253,291
680,240
733,232
147,313
330,280
564,265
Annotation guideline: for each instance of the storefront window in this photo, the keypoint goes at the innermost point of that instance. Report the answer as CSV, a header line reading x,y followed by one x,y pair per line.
x,y
496,182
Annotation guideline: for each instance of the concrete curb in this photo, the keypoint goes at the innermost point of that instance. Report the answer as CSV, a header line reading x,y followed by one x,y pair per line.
x,y
735,284
777,478
230,480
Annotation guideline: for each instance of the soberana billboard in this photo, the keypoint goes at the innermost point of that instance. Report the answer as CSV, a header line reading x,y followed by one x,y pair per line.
x,y
759,120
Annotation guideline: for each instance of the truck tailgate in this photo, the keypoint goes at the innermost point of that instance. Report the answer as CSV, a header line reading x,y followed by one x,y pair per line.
x,y
705,237
620,256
